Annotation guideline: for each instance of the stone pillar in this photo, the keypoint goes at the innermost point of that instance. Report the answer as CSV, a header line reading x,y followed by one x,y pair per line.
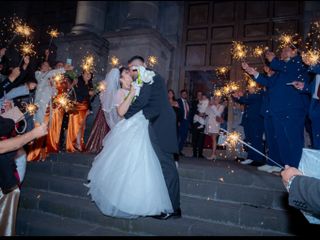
x,y
90,17
142,14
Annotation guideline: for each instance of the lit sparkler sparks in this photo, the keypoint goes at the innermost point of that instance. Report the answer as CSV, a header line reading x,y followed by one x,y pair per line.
x,y
311,57
252,84
114,61
258,51
286,39
58,78
152,61
217,93
31,108
239,51
63,101
222,71
88,64
27,49
233,139
53,33
101,87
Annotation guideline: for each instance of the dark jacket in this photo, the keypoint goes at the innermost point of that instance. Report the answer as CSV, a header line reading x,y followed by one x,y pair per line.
x,y
153,100
283,98
304,194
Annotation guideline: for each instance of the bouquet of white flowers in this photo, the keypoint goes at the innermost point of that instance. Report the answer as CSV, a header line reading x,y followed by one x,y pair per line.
x,y
144,76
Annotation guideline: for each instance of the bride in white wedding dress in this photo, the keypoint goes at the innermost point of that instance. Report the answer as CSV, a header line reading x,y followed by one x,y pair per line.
x,y
126,179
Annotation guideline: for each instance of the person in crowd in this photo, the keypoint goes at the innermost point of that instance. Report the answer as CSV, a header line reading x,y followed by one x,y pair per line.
x,y
9,177
175,105
314,109
304,191
47,112
212,128
199,122
77,120
16,76
252,123
184,119
287,105
194,105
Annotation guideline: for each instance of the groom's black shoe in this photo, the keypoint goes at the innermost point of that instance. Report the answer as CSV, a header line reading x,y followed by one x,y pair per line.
x,y
165,216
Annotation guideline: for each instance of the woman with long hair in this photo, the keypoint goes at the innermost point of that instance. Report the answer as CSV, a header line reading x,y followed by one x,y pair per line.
x,y
77,119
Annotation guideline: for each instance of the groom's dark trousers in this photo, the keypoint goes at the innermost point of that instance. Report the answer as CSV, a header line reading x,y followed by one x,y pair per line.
x,y
153,100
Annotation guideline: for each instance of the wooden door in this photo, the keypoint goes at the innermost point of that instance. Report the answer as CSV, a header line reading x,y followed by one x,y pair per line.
x,y
210,28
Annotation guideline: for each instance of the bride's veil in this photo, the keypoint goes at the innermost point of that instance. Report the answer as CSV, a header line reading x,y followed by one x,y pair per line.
x,y
107,97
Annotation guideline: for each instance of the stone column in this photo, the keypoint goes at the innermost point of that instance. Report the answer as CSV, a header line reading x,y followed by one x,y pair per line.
x,y
90,17
142,14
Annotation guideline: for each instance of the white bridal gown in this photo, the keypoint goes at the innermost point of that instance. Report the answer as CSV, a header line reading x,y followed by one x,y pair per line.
x,y
126,179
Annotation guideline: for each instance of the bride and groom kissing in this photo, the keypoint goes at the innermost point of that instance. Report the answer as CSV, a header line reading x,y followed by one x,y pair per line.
x,y
135,175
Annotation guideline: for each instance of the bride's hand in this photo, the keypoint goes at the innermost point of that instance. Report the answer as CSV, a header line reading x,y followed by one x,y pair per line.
x,y
132,91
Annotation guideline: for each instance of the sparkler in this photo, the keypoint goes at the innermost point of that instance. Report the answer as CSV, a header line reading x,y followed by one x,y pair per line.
x,y
217,93
222,71
114,61
252,84
286,40
88,64
239,51
31,108
311,57
233,138
101,87
152,60
53,34
258,52
19,29
58,78
26,49
63,101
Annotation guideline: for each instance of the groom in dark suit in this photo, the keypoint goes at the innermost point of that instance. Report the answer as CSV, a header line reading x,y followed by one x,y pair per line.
x,y
153,100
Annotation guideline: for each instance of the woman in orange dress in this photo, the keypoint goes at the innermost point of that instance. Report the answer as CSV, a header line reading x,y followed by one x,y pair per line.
x,y
77,120
49,87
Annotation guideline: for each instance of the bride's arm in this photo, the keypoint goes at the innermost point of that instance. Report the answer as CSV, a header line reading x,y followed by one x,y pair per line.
x,y
124,106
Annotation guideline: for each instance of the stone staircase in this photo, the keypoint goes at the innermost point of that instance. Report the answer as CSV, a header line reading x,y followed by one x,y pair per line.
x,y
220,198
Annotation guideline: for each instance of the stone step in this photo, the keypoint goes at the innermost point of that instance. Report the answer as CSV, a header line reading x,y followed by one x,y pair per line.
x,y
213,218
52,176
226,171
35,223
210,210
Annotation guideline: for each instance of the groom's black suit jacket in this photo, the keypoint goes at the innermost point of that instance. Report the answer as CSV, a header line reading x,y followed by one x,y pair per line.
x,y
153,100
